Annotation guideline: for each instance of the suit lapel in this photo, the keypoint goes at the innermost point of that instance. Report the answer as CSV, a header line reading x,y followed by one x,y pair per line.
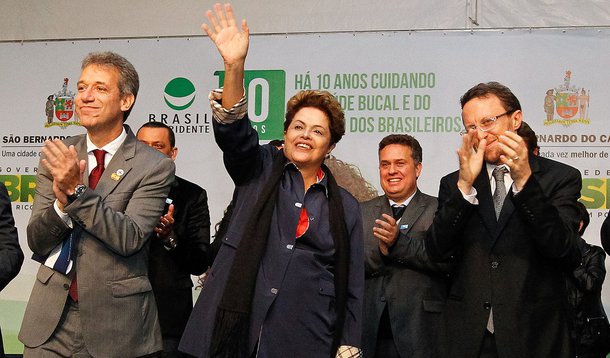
x,y
119,166
383,207
486,205
508,207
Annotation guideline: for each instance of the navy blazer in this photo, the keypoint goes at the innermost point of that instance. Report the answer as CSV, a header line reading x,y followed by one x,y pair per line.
x,y
289,287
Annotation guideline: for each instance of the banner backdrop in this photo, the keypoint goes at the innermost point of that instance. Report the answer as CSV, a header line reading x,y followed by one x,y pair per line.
x,y
387,83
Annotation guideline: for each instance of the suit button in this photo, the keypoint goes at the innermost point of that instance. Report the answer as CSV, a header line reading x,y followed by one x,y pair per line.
x,y
66,286
487,306
382,298
274,291
495,264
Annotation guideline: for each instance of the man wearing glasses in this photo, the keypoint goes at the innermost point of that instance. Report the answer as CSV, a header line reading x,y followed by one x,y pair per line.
x,y
508,221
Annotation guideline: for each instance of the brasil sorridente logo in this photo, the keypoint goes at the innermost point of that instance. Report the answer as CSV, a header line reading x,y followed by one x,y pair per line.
x,y
179,94
59,108
566,104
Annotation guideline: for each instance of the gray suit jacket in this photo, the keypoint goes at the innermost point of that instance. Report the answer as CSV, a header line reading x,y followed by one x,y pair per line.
x,y
113,224
412,287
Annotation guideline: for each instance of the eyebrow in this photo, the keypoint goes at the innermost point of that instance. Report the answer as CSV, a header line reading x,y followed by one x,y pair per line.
x,y
314,126
95,83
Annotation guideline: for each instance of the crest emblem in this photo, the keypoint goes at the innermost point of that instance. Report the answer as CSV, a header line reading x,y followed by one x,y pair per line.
x,y
567,101
60,106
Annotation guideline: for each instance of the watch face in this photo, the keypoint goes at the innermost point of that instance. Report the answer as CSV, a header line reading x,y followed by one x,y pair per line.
x,y
79,189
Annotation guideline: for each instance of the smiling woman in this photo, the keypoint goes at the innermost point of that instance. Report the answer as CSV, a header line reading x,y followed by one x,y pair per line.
x,y
314,124
288,279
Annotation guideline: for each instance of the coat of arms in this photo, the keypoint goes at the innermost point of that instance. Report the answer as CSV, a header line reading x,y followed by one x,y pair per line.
x,y
568,102
60,106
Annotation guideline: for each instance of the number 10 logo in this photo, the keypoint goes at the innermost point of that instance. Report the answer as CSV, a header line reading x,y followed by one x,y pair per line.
x,y
266,92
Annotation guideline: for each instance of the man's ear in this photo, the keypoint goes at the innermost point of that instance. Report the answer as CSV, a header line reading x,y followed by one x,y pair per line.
x,y
517,117
127,101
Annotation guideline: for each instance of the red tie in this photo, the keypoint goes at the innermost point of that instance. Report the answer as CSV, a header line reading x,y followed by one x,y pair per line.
x,y
96,173
94,178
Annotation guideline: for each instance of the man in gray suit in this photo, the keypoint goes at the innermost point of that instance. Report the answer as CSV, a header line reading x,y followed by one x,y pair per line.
x,y
404,291
100,195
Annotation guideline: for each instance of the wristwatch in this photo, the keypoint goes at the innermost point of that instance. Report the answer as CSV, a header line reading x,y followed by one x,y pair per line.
x,y
78,191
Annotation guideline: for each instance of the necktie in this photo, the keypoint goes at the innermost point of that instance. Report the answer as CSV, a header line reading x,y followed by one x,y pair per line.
x,y
500,192
96,173
498,198
94,178
397,211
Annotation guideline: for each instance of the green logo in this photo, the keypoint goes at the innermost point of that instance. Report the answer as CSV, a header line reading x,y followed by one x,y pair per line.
x,y
179,93
266,92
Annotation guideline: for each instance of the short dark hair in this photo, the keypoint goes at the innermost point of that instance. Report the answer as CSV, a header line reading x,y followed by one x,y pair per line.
x,y
529,136
406,140
129,82
506,96
278,143
324,101
152,124
583,214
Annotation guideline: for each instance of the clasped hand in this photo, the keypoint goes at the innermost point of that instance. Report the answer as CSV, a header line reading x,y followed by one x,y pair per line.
x,y
64,166
386,230
514,154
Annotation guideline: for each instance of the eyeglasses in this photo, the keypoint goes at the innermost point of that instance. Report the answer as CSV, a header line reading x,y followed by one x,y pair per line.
x,y
485,125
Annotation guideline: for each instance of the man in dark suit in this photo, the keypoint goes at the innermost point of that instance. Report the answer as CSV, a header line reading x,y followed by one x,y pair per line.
x,y
179,247
11,256
509,221
99,195
404,291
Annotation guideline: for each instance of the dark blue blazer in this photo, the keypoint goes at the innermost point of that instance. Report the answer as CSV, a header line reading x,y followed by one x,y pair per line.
x,y
304,292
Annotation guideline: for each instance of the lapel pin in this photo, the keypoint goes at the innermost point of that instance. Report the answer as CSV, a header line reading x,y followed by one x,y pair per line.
x,y
117,175
404,226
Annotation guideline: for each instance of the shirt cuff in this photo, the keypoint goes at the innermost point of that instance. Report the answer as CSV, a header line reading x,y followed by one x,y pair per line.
x,y
471,197
63,216
349,352
515,191
223,115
